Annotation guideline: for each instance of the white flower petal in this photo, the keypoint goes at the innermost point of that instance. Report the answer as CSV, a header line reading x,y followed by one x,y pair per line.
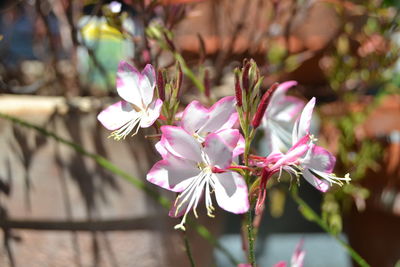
x,y
152,113
117,115
302,126
231,192
219,154
180,143
147,84
194,116
219,114
320,184
173,173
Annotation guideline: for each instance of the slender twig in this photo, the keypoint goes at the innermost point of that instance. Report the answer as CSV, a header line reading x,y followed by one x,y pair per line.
x,y
188,249
311,215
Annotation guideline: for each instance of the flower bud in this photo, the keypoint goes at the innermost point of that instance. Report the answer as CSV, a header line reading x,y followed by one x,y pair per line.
x,y
245,77
161,85
263,106
179,79
238,89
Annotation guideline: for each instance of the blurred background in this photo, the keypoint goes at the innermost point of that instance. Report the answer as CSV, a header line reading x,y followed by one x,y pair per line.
x,y
58,60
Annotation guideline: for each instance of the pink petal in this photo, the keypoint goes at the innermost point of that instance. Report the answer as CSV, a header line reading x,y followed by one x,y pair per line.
x,y
116,115
152,114
219,114
278,98
239,149
321,160
231,192
218,152
173,173
194,116
280,264
161,149
289,109
180,143
298,255
294,154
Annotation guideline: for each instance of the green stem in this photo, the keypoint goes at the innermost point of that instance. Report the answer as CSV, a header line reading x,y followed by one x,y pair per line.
x,y
251,238
103,162
188,249
249,215
189,73
311,215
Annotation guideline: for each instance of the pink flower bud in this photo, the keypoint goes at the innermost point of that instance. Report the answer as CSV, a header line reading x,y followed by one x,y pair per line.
x,y
160,85
238,90
263,105
245,77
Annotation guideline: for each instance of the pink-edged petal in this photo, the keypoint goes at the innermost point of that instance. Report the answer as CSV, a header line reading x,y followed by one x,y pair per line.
x,y
180,143
320,159
233,119
147,84
219,114
289,109
128,84
285,86
117,115
231,192
230,137
161,149
280,264
298,255
194,116
152,113
172,173
239,149
219,154
292,156
278,97
319,184
302,126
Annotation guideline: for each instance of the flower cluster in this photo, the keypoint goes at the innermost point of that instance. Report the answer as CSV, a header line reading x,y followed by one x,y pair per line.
x,y
203,153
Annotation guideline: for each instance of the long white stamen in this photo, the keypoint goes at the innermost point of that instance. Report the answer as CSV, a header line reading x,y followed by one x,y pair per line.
x,y
331,177
122,132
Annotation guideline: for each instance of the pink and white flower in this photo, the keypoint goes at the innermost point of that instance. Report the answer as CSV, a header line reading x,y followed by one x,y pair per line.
x,y
304,158
297,259
317,165
219,119
138,108
193,169
279,117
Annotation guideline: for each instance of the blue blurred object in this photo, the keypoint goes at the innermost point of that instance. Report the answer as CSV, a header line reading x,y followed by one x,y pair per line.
x,y
320,249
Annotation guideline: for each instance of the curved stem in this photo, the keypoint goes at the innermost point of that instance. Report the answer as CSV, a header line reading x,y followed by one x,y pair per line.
x,y
103,162
311,215
188,249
